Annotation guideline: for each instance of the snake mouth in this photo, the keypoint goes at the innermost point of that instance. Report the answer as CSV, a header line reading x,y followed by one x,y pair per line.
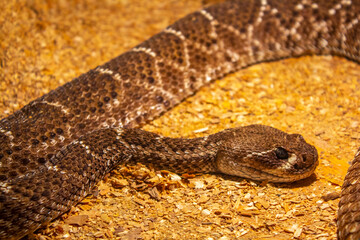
x,y
298,166
306,162
274,176
265,168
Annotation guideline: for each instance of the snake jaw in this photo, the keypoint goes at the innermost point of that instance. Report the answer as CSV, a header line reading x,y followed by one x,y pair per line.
x,y
283,171
299,166
267,154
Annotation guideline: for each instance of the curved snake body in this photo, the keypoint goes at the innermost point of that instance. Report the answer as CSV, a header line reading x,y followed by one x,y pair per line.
x,y
54,150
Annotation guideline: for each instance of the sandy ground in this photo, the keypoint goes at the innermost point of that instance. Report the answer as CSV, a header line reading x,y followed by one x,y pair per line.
x,y
45,44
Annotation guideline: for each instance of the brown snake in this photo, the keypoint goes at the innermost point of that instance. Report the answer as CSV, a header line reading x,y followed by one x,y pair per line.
x,y
55,149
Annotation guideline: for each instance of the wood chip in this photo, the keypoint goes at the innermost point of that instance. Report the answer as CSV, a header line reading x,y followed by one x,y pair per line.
x,y
78,220
44,52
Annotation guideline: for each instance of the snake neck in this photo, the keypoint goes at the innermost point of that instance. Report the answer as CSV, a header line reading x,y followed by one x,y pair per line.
x,y
175,154
96,155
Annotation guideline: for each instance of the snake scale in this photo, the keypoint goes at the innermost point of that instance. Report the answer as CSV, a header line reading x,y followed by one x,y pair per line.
x,y
56,148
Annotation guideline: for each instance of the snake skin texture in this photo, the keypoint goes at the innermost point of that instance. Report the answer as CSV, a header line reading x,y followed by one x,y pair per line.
x,y
56,148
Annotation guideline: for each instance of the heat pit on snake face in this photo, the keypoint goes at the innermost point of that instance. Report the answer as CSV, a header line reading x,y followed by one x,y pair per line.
x,y
273,155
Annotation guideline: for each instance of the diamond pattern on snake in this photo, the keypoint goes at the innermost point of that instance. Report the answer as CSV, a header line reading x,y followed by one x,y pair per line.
x,y
55,149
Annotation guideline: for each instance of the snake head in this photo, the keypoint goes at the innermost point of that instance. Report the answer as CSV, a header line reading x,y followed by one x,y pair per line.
x,y
264,153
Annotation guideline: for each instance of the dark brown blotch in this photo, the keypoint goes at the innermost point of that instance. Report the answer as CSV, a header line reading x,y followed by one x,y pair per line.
x,y
43,138
23,169
151,80
59,131
159,99
113,94
35,197
52,134
56,182
34,141
34,134
107,77
45,193
137,96
126,77
139,119
17,148
93,109
83,107
13,174
166,103
127,84
24,161
41,160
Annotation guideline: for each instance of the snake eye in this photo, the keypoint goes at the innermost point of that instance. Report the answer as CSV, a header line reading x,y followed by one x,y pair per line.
x,y
281,153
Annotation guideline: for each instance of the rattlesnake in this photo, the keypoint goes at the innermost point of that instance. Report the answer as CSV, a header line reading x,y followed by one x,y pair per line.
x,y
38,142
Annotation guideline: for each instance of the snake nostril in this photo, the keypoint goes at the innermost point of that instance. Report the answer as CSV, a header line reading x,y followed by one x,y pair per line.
x,y
304,158
296,166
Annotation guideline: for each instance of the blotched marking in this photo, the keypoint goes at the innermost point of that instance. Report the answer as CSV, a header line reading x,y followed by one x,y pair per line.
x,y
54,104
8,134
145,50
264,4
182,37
104,70
176,33
88,150
119,137
168,94
207,15
213,22
196,44
207,76
108,71
86,147
211,71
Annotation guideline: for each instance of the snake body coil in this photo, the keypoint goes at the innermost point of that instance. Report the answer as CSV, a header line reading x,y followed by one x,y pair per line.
x,y
56,148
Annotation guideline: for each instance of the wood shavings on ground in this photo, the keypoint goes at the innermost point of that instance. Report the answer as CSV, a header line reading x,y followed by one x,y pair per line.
x,y
46,44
